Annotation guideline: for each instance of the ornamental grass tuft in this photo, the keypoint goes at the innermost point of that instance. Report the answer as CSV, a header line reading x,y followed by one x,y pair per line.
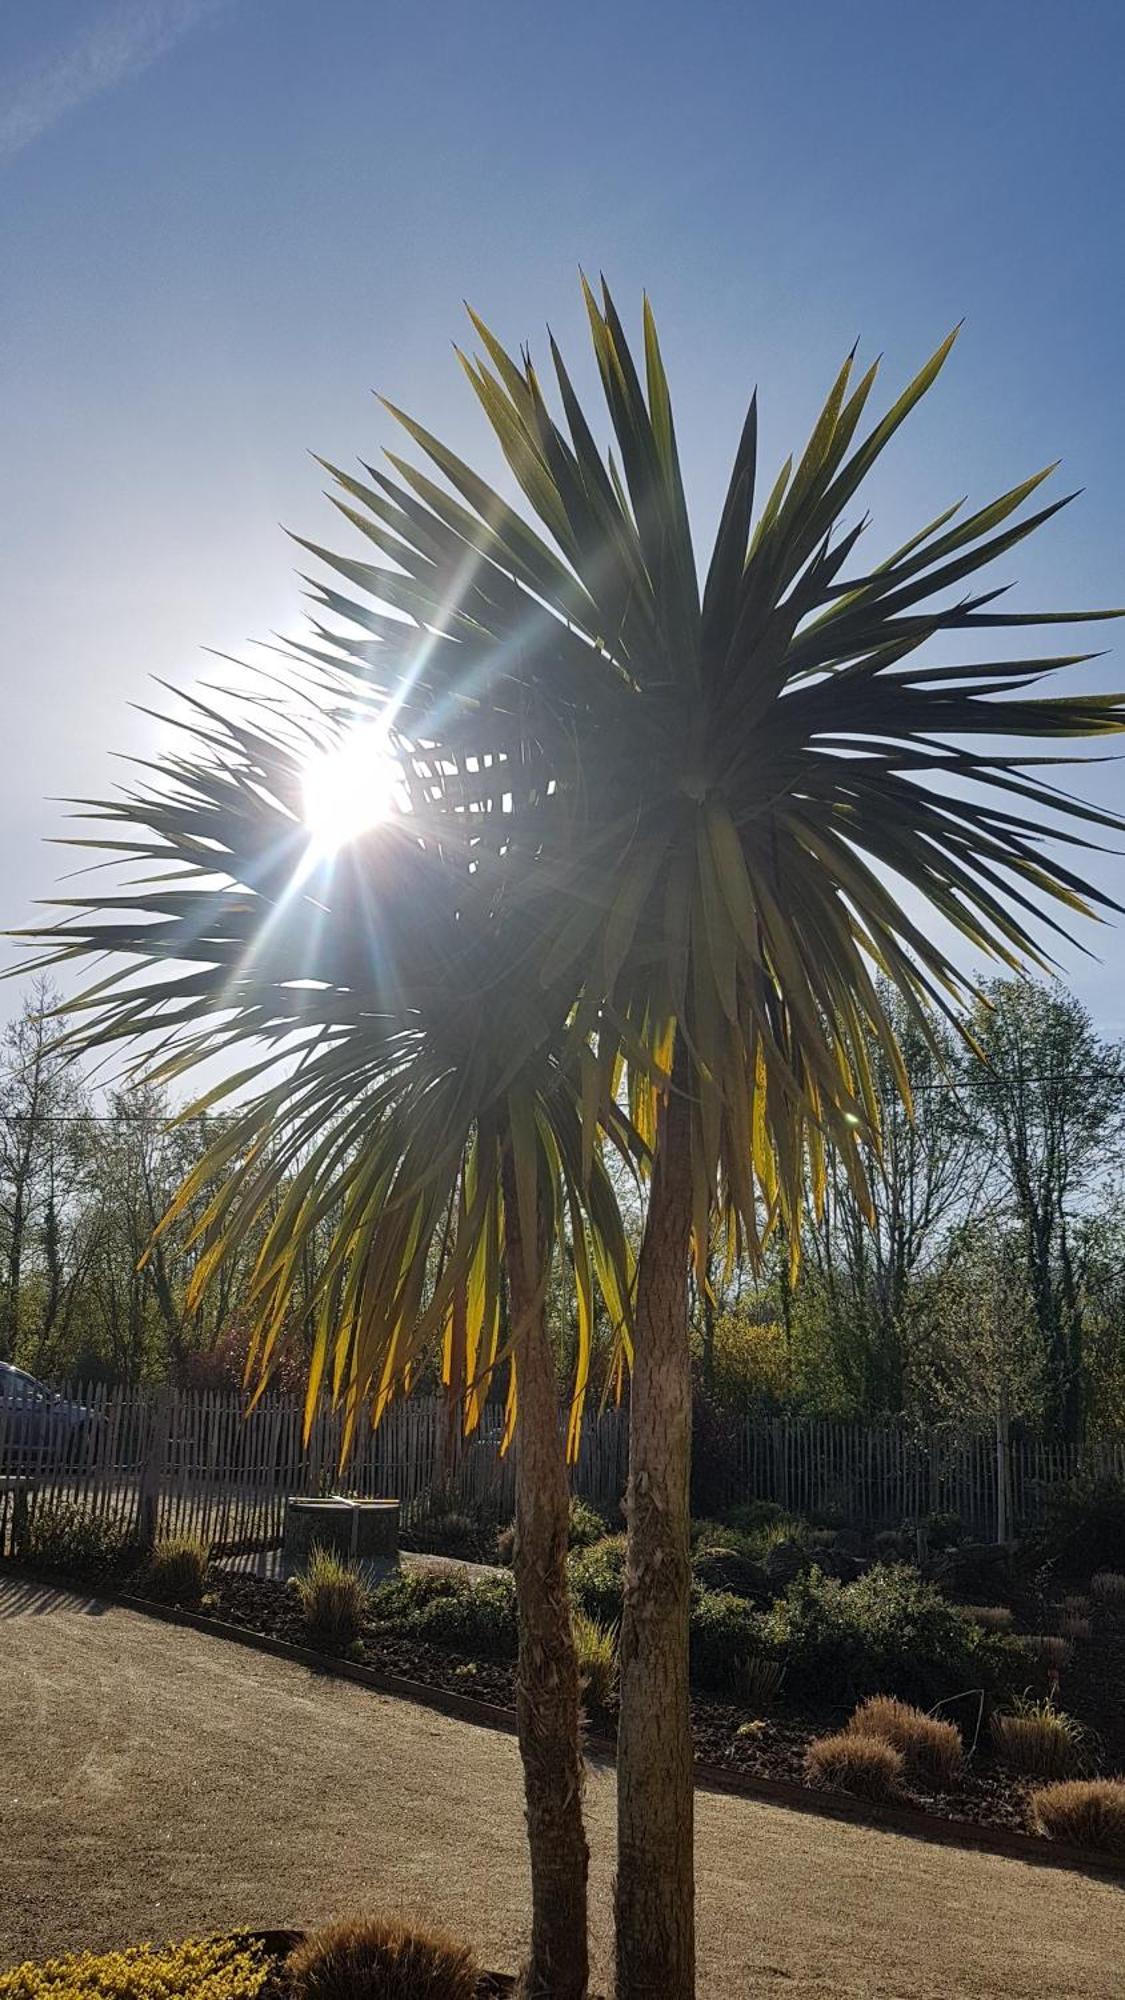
x,y
374,1958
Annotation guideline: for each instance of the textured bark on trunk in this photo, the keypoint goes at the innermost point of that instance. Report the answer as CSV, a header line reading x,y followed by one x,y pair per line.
x,y
655,1899
547,1693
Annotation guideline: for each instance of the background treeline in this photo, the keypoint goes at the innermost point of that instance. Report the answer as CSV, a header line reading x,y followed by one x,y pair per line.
x,y
992,1281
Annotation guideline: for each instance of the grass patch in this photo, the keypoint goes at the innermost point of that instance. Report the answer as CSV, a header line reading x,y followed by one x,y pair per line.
x,y
932,1749
595,1647
1039,1740
865,1766
375,1959
1088,1811
334,1597
176,1571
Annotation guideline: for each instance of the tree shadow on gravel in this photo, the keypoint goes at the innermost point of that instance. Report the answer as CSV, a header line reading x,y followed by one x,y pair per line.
x,y
25,1596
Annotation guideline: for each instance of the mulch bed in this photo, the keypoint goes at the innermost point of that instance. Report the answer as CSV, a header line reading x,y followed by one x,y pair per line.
x,y
988,1795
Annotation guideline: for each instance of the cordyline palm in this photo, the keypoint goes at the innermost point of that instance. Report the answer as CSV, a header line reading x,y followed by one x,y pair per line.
x,y
418,1107
699,799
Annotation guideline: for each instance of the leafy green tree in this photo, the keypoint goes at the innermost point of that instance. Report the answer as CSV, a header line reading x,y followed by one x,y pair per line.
x,y
1052,1094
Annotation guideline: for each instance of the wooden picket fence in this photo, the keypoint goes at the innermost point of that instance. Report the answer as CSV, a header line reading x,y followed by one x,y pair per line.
x,y
158,1460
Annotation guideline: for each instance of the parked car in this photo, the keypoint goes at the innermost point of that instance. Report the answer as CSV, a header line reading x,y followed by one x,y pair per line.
x,y
37,1427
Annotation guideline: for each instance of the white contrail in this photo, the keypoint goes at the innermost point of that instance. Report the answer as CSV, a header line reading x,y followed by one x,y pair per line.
x,y
122,40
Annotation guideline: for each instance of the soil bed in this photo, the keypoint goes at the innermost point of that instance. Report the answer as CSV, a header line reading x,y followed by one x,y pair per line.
x,y
773,1748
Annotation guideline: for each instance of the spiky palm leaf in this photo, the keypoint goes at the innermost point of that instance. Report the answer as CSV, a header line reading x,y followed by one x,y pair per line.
x,y
715,788
399,1054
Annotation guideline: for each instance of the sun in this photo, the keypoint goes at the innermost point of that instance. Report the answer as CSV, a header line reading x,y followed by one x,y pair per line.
x,y
349,789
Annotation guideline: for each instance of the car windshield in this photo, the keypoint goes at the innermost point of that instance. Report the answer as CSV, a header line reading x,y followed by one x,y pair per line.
x,y
16,1386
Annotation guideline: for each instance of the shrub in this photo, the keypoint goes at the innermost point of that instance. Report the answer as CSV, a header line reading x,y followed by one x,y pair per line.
x,y
725,1634
398,1602
893,1545
990,1617
1088,1811
64,1537
760,1678
1086,1524
176,1571
195,1969
862,1765
943,1530
334,1598
931,1749
586,1524
448,1530
718,1568
889,1629
597,1578
595,1646
1109,1586
1037,1738
374,1959
477,1618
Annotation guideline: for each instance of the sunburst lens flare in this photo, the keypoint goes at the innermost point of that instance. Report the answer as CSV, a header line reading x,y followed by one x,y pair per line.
x,y
349,789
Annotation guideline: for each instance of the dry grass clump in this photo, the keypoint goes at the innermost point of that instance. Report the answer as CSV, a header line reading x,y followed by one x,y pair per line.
x,y
1088,1811
1038,1738
374,1958
1109,1586
176,1571
334,1597
990,1617
1074,1626
1077,1605
930,1748
1051,1648
850,1762
595,1647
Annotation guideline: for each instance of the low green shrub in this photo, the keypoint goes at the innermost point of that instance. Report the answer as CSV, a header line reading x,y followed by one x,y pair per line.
x,y
595,1647
478,1618
1085,1525
597,1578
334,1597
230,1968
888,1629
72,1542
865,1766
1088,1811
377,1959
399,1601
725,1632
587,1526
942,1530
448,1529
176,1571
717,1568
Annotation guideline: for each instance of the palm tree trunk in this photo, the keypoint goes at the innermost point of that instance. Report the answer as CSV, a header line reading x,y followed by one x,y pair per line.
x,y
655,1908
547,1694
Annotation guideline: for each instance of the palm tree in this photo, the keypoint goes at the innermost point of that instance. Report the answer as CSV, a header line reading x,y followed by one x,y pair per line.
x,y
703,806
408,1093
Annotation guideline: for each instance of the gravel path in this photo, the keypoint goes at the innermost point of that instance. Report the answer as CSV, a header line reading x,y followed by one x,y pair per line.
x,y
155,1781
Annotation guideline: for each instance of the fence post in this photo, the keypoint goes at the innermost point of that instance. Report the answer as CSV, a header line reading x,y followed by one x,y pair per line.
x,y
154,1468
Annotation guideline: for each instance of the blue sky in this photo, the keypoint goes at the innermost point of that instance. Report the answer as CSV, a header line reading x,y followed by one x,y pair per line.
x,y
225,221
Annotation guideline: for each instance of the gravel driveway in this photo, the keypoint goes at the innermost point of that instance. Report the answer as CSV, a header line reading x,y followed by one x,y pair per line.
x,y
155,1781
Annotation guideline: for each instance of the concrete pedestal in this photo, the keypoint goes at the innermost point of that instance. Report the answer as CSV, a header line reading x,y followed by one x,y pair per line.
x,y
361,1531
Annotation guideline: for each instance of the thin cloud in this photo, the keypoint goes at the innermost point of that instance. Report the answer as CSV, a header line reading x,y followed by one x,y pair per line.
x,y
125,39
